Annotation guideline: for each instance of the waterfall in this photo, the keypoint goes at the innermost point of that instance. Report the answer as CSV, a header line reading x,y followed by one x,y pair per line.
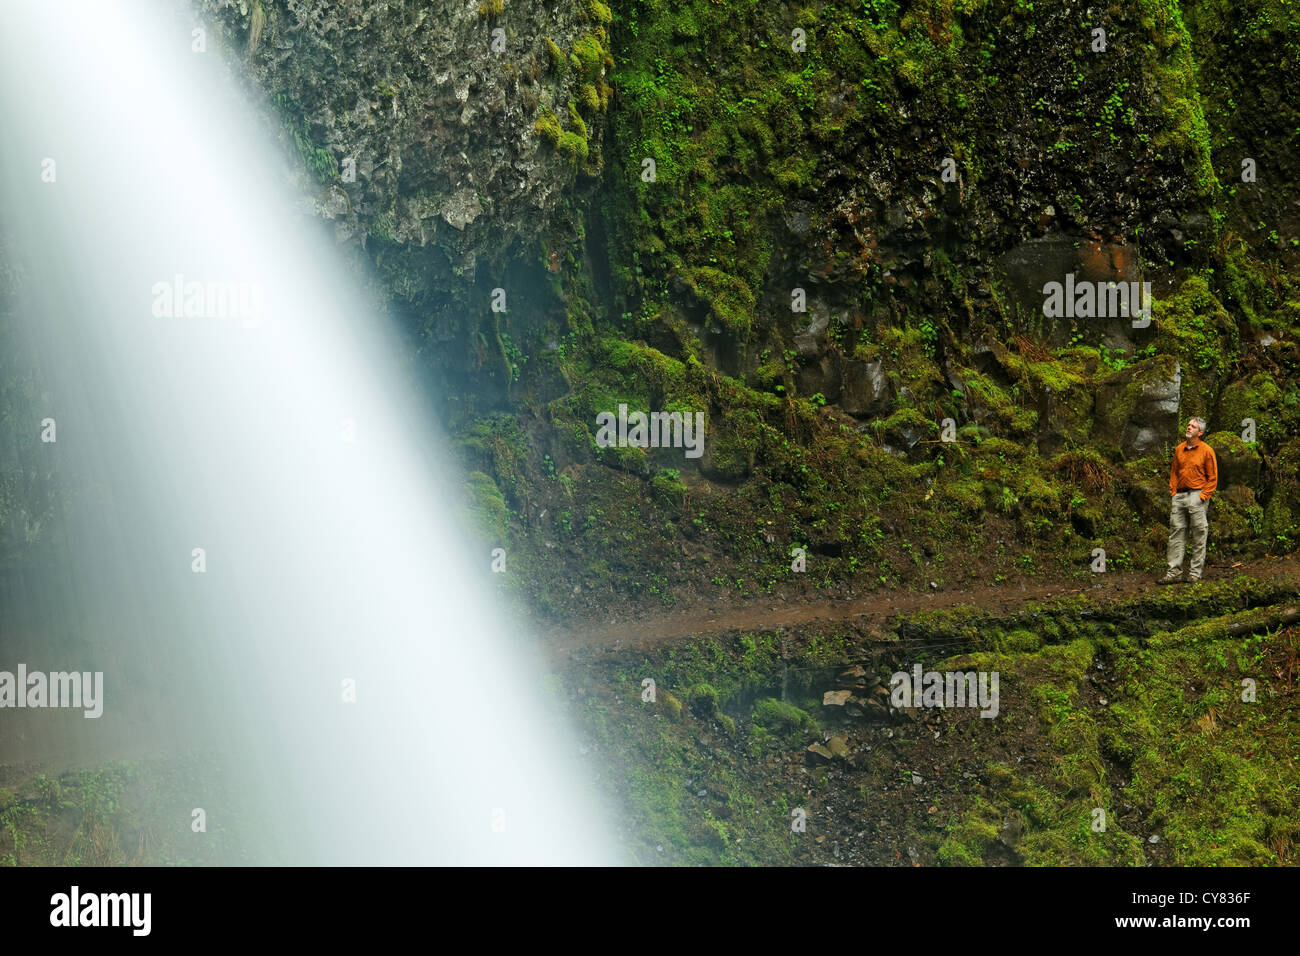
x,y
257,546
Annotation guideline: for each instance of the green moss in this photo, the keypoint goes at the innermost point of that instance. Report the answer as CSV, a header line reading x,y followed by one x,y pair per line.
x,y
559,62
487,505
672,705
967,494
588,57
573,145
1021,641
782,717
730,300
1259,399
966,841
548,127
669,486
570,143
1204,771
576,121
1203,334
589,98
735,445
704,700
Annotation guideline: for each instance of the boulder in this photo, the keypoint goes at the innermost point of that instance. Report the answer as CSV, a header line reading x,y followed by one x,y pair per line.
x,y
1150,499
1258,399
811,341
866,391
818,750
1282,510
1235,520
1239,463
1137,407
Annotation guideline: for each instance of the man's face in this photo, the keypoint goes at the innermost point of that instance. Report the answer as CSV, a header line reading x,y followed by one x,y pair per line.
x,y
1192,432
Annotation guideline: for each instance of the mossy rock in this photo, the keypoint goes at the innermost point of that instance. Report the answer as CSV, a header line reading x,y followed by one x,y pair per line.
x,y
578,123
1021,641
1041,495
671,704
573,146
732,447
1138,406
1259,400
487,505
630,459
730,300
1196,329
1237,521
905,427
704,700
548,127
559,62
1282,512
589,98
779,716
1239,463
967,494
669,486
1001,449
588,57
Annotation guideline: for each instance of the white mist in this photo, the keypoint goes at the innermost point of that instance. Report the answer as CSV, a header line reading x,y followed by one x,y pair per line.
x,y
326,559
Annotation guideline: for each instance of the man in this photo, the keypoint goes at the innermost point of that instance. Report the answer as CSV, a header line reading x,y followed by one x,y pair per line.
x,y
1192,480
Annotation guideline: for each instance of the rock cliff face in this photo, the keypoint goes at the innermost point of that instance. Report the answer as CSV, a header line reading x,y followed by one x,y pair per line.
x,y
426,123
451,141
831,230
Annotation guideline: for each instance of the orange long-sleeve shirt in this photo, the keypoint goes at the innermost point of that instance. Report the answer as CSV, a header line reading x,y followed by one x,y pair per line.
x,y
1194,468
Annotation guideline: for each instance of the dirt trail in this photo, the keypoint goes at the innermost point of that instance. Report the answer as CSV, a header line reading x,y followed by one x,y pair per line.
x,y
870,612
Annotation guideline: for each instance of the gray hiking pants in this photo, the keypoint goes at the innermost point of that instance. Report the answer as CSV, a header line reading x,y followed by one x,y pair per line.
x,y
1188,509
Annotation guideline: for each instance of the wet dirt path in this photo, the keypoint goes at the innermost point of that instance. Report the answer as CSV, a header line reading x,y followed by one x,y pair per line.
x,y
870,612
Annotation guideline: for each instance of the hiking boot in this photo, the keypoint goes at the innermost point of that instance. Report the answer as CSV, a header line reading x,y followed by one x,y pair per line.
x,y
1193,579
1171,577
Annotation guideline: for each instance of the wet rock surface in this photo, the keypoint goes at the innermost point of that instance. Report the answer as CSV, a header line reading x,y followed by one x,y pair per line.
x,y
435,110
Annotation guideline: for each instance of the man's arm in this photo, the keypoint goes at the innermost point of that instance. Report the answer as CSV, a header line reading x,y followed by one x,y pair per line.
x,y
1173,475
1211,474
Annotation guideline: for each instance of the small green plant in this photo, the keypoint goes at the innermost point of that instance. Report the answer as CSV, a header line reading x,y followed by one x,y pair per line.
x,y
704,700
514,356
780,716
48,791
929,333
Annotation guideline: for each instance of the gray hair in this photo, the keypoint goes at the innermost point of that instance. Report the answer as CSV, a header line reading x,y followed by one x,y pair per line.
x,y
1200,423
